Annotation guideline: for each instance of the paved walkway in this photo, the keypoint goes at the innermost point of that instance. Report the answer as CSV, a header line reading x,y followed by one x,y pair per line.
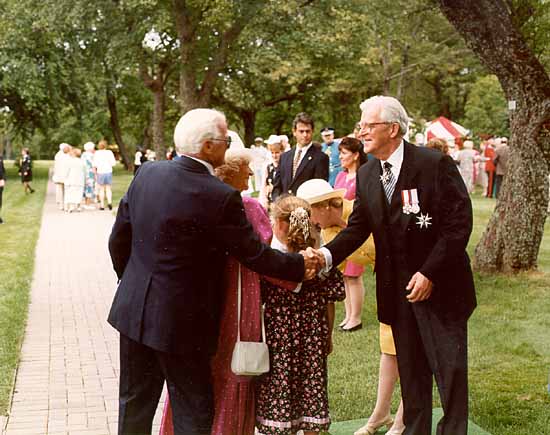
x,y
67,381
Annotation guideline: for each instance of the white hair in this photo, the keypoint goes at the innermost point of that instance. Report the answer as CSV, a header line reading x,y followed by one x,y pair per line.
x,y
63,145
391,110
468,144
89,146
195,127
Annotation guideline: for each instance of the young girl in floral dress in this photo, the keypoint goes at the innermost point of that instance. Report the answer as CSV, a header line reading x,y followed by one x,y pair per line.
x,y
293,395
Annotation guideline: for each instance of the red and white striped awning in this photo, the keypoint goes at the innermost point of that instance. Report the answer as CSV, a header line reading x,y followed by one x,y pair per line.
x,y
444,128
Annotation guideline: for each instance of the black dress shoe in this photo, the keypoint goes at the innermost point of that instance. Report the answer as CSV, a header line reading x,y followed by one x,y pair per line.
x,y
355,328
110,206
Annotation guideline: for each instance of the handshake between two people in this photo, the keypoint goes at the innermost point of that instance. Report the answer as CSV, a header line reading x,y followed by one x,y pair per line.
x,y
314,262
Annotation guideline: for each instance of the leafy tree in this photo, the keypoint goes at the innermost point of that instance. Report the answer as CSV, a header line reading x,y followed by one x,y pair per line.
x,y
486,108
494,31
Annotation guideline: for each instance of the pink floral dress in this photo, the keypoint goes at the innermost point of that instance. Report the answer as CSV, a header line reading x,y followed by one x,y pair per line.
x,y
234,395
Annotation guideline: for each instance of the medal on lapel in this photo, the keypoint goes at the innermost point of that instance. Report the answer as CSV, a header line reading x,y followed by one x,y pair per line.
x,y
410,201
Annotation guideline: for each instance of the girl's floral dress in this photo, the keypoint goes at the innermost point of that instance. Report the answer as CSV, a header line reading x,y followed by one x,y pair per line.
x,y
293,395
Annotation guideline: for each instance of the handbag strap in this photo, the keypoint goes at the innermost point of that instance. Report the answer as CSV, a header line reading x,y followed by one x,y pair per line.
x,y
239,285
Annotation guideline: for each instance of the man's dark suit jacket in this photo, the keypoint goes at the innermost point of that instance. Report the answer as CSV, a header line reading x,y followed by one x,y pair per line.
x,y
314,164
174,230
438,252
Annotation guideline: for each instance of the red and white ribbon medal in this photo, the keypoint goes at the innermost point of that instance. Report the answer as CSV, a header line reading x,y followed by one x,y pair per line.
x,y
415,204
410,201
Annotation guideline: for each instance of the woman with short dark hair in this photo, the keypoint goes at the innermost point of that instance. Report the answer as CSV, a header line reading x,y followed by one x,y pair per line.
x,y
25,170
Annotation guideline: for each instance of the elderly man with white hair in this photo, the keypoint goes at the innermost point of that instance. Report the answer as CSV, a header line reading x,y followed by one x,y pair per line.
x,y
175,229
414,202
60,168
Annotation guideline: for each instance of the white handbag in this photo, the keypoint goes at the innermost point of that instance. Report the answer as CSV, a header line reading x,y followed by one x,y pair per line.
x,y
249,358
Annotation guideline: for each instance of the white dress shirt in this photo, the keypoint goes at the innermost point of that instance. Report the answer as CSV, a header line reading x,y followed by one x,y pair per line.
x,y
304,149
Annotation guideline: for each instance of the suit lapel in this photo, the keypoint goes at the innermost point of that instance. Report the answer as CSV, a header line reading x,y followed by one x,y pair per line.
x,y
305,160
375,195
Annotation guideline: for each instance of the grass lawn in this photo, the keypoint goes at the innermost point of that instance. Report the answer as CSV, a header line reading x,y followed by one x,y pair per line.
x,y
22,214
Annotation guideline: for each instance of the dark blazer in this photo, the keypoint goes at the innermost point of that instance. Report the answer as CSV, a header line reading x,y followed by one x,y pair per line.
x,y
402,246
173,233
314,164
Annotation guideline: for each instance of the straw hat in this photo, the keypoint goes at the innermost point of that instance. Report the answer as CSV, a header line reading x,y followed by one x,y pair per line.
x,y
318,190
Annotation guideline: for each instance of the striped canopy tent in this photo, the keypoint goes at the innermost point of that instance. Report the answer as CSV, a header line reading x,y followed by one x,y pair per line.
x,y
444,128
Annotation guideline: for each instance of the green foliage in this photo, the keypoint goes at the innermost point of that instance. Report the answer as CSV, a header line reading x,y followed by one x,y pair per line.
x,y
486,108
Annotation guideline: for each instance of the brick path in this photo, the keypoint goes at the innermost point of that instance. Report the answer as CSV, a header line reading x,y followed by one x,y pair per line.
x,y
67,381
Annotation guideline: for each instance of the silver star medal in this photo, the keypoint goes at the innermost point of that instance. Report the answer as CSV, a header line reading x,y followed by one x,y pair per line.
x,y
424,220
385,177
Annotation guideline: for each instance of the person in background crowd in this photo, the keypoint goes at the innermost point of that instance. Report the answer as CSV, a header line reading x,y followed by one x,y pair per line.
x,y
481,179
59,171
275,147
138,160
352,157
104,160
303,162
330,148
150,155
419,140
25,170
502,154
89,182
74,181
438,144
285,142
260,158
2,182
489,155
466,159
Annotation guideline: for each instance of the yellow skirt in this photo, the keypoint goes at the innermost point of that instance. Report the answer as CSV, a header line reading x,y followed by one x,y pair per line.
x,y
387,344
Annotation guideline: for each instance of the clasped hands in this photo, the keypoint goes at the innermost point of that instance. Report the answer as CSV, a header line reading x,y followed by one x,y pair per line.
x,y
314,261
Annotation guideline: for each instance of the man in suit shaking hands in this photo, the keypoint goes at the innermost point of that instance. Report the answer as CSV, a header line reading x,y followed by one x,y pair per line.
x,y
303,162
174,230
414,202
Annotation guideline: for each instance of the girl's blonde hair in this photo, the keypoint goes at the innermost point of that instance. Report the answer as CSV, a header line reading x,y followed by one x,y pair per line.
x,y
297,212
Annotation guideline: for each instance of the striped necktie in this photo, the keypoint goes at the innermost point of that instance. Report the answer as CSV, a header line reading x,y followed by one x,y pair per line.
x,y
296,160
388,181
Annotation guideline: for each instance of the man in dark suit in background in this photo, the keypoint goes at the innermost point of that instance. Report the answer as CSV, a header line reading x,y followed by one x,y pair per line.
x,y
174,229
303,162
414,202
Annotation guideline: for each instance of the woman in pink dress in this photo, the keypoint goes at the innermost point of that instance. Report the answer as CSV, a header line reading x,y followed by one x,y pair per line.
x,y
352,157
234,401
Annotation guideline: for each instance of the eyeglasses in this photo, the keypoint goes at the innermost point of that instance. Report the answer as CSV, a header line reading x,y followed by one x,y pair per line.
x,y
227,140
369,126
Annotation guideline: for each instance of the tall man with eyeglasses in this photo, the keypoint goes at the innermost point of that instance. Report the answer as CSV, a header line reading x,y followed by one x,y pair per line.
x,y
414,202
174,230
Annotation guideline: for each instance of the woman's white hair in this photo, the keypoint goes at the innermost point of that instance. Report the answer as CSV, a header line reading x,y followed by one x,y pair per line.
x,y
195,127
89,146
391,110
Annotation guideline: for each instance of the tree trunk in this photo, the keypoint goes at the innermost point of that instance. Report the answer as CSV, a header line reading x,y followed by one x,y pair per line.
x,y
158,125
512,238
117,133
249,121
